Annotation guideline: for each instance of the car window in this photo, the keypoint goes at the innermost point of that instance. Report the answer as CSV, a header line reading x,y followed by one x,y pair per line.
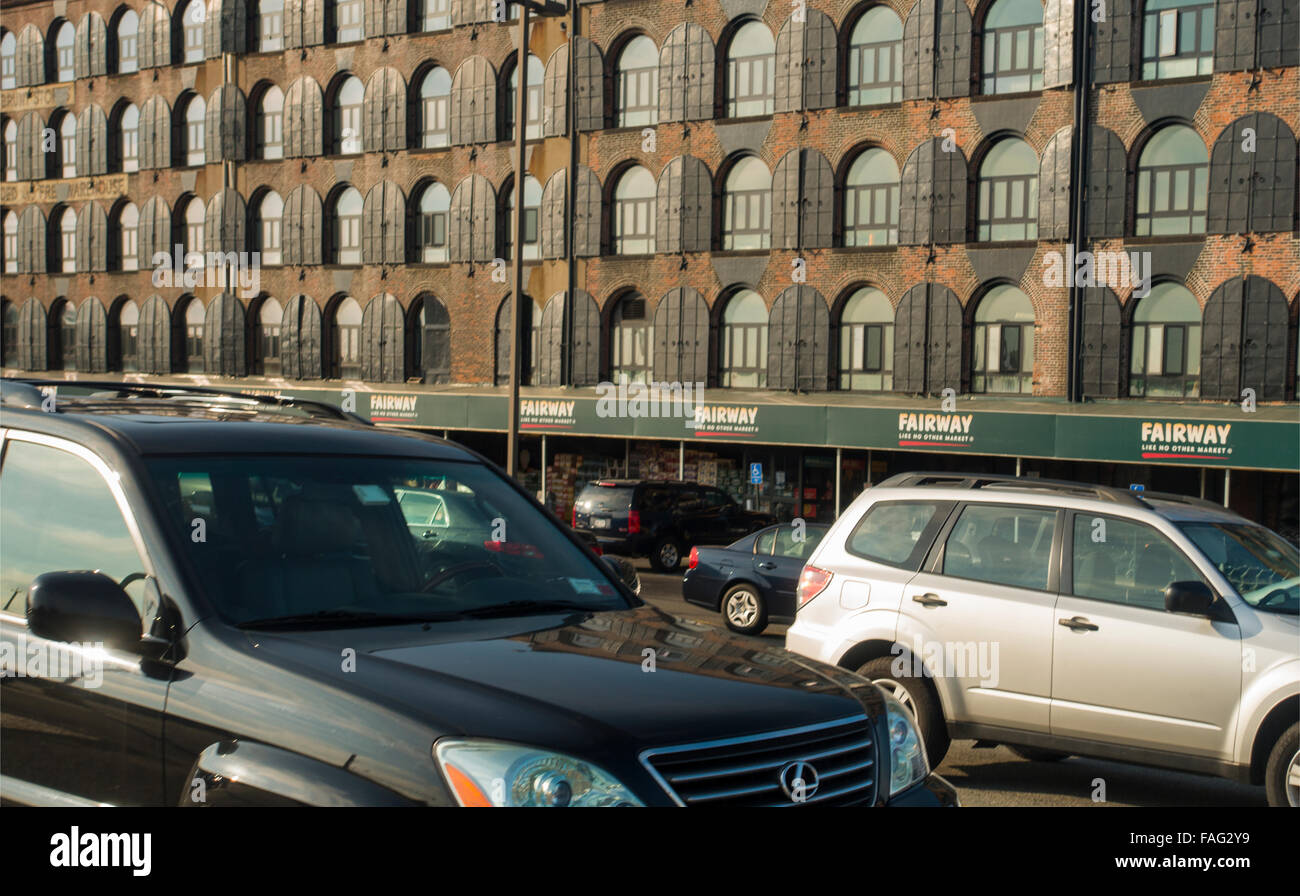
x,y
656,499
716,499
605,498
423,509
57,514
894,532
797,542
1124,562
766,538
1001,544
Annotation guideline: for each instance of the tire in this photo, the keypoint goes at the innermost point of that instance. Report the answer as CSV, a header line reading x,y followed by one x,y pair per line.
x,y
1282,773
743,609
1034,754
918,695
666,555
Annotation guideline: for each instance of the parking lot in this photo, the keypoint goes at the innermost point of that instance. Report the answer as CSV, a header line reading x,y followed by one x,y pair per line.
x,y
997,777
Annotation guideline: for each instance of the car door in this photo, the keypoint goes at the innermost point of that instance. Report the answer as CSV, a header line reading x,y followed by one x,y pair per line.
x,y
980,614
80,722
793,546
1124,669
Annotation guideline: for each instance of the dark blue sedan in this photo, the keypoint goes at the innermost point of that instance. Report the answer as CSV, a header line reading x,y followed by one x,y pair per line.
x,y
752,582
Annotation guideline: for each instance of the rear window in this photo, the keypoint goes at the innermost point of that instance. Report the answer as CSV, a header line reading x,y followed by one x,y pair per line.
x,y
605,497
897,533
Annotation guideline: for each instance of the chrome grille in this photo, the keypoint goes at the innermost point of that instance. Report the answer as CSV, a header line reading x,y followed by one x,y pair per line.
x,y
746,771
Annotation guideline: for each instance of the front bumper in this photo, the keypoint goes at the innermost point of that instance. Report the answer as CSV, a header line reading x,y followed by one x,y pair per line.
x,y
933,792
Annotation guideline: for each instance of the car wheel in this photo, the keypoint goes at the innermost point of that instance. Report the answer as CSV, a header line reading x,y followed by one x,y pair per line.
x,y
1034,754
1282,774
743,610
919,697
666,555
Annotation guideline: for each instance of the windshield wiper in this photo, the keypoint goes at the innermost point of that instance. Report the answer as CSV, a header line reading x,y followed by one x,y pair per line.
x,y
526,607
344,618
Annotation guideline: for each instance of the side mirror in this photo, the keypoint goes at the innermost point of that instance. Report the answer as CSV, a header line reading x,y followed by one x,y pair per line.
x,y
1190,597
82,606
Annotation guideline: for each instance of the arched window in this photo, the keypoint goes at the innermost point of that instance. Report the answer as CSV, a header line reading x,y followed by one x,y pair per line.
x,y
1008,193
269,133
1013,47
532,206
8,67
194,217
65,39
876,58
435,15
347,340
11,149
11,243
435,101
634,213
346,138
1003,346
191,149
747,206
194,315
68,146
67,336
192,18
1166,352
429,341
345,228
128,225
266,337
638,83
744,341
1173,174
128,327
270,26
1177,38
751,71
871,200
268,218
349,21
129,137
509,100
67,242
435,204
867,341
8,333
631,339
128,44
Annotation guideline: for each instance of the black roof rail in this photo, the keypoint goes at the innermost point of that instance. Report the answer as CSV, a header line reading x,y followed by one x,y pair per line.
x,y
973,481
19,392
1190,500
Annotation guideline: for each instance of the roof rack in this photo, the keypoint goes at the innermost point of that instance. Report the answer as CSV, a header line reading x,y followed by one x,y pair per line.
x,y
28,393
972,481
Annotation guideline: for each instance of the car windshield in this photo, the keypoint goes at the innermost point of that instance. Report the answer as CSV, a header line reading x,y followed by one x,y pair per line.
x,y
1262,566
339,540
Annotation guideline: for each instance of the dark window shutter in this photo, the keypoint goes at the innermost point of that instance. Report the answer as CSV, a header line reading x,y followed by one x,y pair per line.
x,y
155,41
1244,341
31,160
668,208
385,17
697,205
223,336
304,23
301,232
798,341
92,337
303,133
589,85
820,61
32,354
909,341
90,57
503,340
681,333
225,131
555,91
686,71
154,342
1058,42
1277,34
436,354
944,340
31,241
1252,191
472,225
1221,341
382,236
30,64
953,63
92,235
949,197
551,343
226,28
1234,27
155,136
1112,42
154,232
224,223
484,219
382,340
92,142
785,206
789,74
913,197
586,213
460,230
1102,350
584,352
1107,184
918,53
300,339
552,236
1054,187
473,103
932,203
818,201
384,108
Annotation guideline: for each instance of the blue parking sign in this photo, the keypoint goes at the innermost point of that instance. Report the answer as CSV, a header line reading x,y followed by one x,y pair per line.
x,y
756,474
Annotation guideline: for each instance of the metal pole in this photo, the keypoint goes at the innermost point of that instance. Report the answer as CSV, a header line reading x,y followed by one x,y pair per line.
x,y
544,493
839,460
681,459
1202,482
1227,485
517,250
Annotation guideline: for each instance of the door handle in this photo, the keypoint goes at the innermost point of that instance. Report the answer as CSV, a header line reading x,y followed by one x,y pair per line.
x,y
1078,624
929,599
767,565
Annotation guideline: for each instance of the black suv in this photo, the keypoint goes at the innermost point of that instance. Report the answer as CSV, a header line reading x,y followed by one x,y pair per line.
x,y
661,520
213,599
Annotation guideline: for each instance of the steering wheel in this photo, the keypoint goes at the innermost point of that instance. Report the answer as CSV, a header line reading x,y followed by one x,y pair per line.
x,y
456,570
131,579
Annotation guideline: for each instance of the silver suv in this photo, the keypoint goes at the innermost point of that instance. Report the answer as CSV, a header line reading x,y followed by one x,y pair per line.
x,y
1060,618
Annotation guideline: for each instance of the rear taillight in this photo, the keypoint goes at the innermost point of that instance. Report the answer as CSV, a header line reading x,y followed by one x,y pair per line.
x,y
514,549
574,521
597,550
695,558
812,582
633,522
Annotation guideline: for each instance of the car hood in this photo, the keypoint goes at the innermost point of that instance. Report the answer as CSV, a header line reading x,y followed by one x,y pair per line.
x,y
638,676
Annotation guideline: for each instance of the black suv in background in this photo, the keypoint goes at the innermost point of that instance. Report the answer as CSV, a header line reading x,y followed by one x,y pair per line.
x,y
212,599
661,520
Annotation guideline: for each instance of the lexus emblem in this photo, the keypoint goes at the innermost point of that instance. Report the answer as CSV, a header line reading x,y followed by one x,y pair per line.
x,y
799,780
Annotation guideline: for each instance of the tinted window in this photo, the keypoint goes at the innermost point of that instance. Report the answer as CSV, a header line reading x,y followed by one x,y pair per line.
x,y
1126,563
765,541
892,531
797,543
1001,544
604,497
715,498
657,499
57,514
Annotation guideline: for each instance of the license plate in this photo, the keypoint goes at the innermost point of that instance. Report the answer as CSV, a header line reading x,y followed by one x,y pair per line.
x,y
599,524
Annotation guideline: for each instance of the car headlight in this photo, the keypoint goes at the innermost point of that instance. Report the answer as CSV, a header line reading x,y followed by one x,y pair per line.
x,y
907,762
494,773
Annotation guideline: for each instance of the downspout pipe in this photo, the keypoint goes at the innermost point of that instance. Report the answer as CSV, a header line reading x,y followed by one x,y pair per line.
x,y
1079,151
